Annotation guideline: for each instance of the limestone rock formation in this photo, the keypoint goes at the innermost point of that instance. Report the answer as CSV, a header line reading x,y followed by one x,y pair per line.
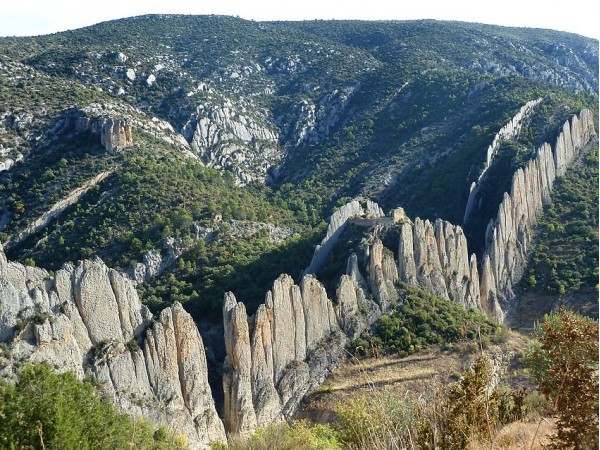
x,y
435,257
337,222
382,275
508,131
225,136
508,238
238,411
309,122
89,320
269,370
115,134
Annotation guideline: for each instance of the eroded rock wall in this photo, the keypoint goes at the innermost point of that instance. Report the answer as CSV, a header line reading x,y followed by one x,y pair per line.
x,y
337,223
295,339
115,134
435,257
89,320
509,237
508,131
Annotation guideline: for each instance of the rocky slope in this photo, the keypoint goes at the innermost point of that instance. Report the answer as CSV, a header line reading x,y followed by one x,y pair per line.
x,y
89,319
436,257
293,117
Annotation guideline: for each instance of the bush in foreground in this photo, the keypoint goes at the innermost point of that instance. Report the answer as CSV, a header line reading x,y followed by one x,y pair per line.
x,y
563,361
48,410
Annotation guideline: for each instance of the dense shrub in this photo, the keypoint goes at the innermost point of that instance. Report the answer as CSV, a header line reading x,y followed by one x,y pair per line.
x,y
564,362
46,410
420,319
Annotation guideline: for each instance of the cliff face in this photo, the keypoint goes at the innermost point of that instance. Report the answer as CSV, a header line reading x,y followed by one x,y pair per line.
x,y
295,339
115,134
508,238
435,257
269,370
86,320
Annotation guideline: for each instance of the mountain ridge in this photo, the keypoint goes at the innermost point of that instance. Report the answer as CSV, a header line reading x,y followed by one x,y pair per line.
x,y
228,143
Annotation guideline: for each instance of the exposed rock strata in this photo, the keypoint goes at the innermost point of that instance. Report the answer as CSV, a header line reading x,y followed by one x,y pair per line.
x,y
57,209
115,134
508,238
224,138
85,319
508,131
297,339
270,370
435,257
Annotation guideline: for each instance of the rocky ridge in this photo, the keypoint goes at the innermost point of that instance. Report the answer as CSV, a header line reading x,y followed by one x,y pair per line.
x,y
436,258
509,237
57,209
89,320
337,222
295,339
508,131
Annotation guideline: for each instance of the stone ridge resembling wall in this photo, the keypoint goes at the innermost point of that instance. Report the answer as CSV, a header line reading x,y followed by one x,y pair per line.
x,y
295,339
435,257
57,209
337,223
508,238
508,131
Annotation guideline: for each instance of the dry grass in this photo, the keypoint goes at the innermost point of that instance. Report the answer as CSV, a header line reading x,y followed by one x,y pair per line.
x,y
524,435
410,376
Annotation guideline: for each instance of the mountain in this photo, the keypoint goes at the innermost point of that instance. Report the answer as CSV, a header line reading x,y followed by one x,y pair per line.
x,y
199,155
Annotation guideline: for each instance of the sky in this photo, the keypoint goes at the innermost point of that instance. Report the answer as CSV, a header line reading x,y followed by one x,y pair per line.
x,y
34,17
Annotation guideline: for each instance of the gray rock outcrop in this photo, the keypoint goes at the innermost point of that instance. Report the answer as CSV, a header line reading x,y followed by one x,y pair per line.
x,y
508,131
115,134
225,136
508,238
337,223
435,257
89,320
269,370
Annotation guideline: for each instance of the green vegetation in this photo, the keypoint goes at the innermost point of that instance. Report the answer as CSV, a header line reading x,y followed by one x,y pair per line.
x,y
565,257
420,319
563,361
47,410
298,436
404,114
